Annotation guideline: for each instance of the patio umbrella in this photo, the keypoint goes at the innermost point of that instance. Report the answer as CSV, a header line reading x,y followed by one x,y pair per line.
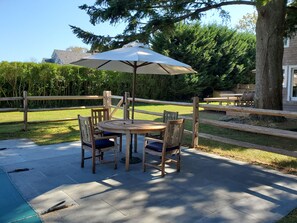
x,y
135,58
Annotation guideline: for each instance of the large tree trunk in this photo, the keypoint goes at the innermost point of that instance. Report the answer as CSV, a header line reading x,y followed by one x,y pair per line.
x,y
269,54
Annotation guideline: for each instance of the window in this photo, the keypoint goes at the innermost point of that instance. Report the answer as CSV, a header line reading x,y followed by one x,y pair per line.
x,y
294,83
286,42
292,87
285,75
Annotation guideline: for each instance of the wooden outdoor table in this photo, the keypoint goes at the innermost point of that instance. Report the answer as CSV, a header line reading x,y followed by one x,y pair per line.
x,y
228,98
239,95
129,128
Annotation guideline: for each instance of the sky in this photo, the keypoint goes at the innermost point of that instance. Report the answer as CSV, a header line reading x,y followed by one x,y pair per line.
x,y
33,29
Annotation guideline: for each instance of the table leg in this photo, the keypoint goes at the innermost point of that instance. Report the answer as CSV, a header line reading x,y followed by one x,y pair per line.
x,y
135,143
128,142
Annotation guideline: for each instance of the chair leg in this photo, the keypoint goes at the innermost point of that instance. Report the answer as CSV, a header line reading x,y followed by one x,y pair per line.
x,y
163,166
115,159
93,161
82,164
143,160
178,163
121,143
135,143
101,157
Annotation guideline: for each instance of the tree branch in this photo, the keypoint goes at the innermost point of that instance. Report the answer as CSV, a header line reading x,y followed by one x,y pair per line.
x,y
215,6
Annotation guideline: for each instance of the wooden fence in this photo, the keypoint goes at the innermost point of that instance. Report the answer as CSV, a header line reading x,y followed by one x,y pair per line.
x,y
124,103
250,128
26,108
236,126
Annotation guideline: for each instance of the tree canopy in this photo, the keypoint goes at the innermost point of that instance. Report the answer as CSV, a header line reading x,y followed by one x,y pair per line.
x,y
204,47
143,19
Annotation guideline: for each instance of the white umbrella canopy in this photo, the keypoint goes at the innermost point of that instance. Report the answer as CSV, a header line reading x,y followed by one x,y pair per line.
x,y
147,61
135,58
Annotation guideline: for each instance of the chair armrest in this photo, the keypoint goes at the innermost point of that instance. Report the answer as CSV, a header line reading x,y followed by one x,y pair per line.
x,y
98,132
153,139
105,137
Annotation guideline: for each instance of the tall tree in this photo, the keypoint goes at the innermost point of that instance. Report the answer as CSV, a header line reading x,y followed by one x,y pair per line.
x,y
221,56
144,18
270,30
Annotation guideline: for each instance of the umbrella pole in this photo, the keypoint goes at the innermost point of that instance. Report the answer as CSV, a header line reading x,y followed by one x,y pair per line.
x,y
133,160
133,89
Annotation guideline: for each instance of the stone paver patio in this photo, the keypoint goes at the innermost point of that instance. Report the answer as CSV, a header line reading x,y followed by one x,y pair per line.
x,y
208,189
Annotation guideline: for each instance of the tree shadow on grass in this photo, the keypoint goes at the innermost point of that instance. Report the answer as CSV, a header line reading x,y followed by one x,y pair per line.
x,y
269,160
43,133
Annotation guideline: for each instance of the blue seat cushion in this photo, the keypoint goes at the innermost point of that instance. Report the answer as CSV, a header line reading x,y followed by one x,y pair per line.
x,y
102,143
157,146
111,134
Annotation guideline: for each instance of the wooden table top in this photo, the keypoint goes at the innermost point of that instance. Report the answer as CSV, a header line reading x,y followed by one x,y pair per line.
x,y
232,95
138,126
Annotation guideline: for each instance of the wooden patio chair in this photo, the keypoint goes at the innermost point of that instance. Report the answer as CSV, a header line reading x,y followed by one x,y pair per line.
x,y
94,143
102,114
168,148
167,115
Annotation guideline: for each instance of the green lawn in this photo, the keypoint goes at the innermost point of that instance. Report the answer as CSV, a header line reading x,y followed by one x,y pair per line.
x,y
290,218
56,132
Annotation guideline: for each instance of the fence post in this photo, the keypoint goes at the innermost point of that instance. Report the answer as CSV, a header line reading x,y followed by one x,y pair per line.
x,y
195,126
25,107
107,100
126,106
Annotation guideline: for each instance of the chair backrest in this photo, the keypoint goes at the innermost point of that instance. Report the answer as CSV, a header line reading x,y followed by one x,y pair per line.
x,y
86,130
168,115
99,115
174,133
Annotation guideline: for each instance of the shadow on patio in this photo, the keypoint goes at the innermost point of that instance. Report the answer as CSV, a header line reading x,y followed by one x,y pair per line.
x,y
209,188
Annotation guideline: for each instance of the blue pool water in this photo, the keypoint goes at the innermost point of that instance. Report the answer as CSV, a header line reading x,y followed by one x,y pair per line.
x,y
13,207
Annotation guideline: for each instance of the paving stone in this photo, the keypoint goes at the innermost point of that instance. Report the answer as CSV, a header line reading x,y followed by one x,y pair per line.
x,y
209,188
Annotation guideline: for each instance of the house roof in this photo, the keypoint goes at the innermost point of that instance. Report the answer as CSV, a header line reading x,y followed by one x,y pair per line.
x,y
66,57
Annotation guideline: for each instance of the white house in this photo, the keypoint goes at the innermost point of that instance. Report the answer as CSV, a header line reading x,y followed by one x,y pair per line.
x,y
65,57
290,74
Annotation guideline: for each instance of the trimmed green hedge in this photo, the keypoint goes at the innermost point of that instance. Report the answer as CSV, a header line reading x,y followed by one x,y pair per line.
x,y
51,79
221,56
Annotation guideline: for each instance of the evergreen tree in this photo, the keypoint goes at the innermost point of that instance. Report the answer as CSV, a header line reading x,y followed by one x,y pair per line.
x,y
221,56
145,18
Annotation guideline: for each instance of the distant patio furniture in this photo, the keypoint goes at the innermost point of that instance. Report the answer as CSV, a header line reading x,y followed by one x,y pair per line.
x,y
225,98
100,115
247,99
244,99
96,144
168,148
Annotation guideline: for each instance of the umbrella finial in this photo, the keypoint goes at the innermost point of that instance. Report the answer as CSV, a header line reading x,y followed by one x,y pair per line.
x,y
136,44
